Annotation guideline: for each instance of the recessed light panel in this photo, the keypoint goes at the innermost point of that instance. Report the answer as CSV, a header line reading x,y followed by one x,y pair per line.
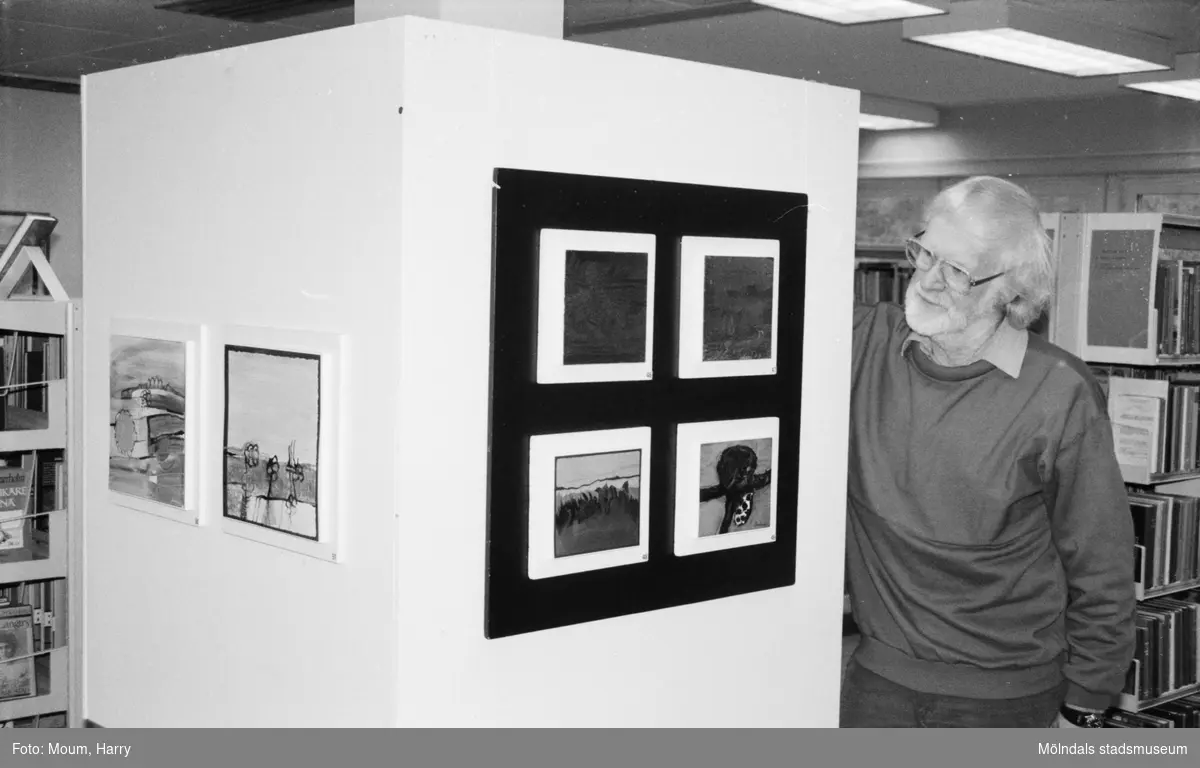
x,y
854,11
1032,50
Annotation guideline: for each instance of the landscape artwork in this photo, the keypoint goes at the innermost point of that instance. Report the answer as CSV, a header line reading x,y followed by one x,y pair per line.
x,y
739,300
595,306
604,307
597,502
147,417
587,500
272,428
735,487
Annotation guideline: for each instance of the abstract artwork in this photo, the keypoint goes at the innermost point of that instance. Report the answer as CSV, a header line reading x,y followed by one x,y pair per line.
x,y
272,433
729,306
726,468
595,306
604,308
153,417
147,417
735,486
587,500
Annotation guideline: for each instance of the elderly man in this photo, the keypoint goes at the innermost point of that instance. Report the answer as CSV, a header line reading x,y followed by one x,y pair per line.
x,y
989,543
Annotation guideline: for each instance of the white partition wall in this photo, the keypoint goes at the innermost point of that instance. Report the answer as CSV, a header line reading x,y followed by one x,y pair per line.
x,y
281,185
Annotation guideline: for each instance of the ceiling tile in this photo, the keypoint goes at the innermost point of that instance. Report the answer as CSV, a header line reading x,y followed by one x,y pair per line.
x,y
232,34
27,41
63,67
144,51
133,18
339,17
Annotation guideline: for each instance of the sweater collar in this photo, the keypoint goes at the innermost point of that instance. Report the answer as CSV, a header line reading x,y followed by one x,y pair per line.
x,y
1005,349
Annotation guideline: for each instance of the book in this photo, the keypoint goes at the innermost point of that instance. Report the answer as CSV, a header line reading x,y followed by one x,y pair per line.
x,y
16,491
17,676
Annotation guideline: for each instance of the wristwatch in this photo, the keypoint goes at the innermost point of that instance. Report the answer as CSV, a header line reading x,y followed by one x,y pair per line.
x,y
1080,718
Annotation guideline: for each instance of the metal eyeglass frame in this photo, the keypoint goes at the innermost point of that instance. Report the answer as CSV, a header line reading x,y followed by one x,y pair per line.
x,y
913,242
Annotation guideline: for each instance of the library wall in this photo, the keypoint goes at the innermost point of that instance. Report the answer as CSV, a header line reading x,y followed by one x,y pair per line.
x,y
1122,153
220,209
509,101
40,170
253,186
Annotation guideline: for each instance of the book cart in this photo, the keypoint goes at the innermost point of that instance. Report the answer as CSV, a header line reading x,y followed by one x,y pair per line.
x,y
1128,304
39,539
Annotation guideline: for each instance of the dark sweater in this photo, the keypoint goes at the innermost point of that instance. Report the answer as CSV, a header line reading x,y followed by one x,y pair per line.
x,y
989,542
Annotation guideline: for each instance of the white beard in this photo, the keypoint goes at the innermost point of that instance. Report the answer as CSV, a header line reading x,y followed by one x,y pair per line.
x,y
929,319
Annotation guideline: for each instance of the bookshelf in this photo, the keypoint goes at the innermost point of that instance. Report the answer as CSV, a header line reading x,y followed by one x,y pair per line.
x,y
39,545
1128,304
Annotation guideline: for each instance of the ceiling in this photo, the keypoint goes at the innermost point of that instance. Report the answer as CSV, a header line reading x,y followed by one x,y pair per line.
x,y
59,40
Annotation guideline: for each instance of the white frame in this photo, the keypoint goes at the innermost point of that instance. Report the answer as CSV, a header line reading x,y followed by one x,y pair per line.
x,y
689,438
1104,222
692,253
553,245
193,337
543,451
333,352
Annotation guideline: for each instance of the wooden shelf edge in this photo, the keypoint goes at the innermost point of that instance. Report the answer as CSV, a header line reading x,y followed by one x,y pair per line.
x,y
55,700
1131,704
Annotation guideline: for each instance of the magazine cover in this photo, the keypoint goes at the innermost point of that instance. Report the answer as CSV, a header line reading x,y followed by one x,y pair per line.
x,y
16,485
16,640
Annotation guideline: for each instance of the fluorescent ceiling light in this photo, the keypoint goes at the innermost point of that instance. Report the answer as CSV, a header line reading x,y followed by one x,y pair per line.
x,y
1182,82
856,11
882,123
880,114
1034,36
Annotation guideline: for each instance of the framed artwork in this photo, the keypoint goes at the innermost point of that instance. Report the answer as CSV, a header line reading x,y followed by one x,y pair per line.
x,y
723,491
595,306
729,306
280,441
588,493
154,422
891,210
1175,193
560,545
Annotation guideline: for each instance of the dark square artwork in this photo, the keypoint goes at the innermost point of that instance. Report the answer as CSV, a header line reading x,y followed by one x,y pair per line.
x,y
597,502
738,302
604,312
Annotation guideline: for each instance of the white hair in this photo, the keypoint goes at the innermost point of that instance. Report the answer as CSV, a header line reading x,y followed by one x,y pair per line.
x,y
1006,217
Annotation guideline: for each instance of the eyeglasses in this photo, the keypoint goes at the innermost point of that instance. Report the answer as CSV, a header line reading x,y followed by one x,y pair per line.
x,y
957,278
